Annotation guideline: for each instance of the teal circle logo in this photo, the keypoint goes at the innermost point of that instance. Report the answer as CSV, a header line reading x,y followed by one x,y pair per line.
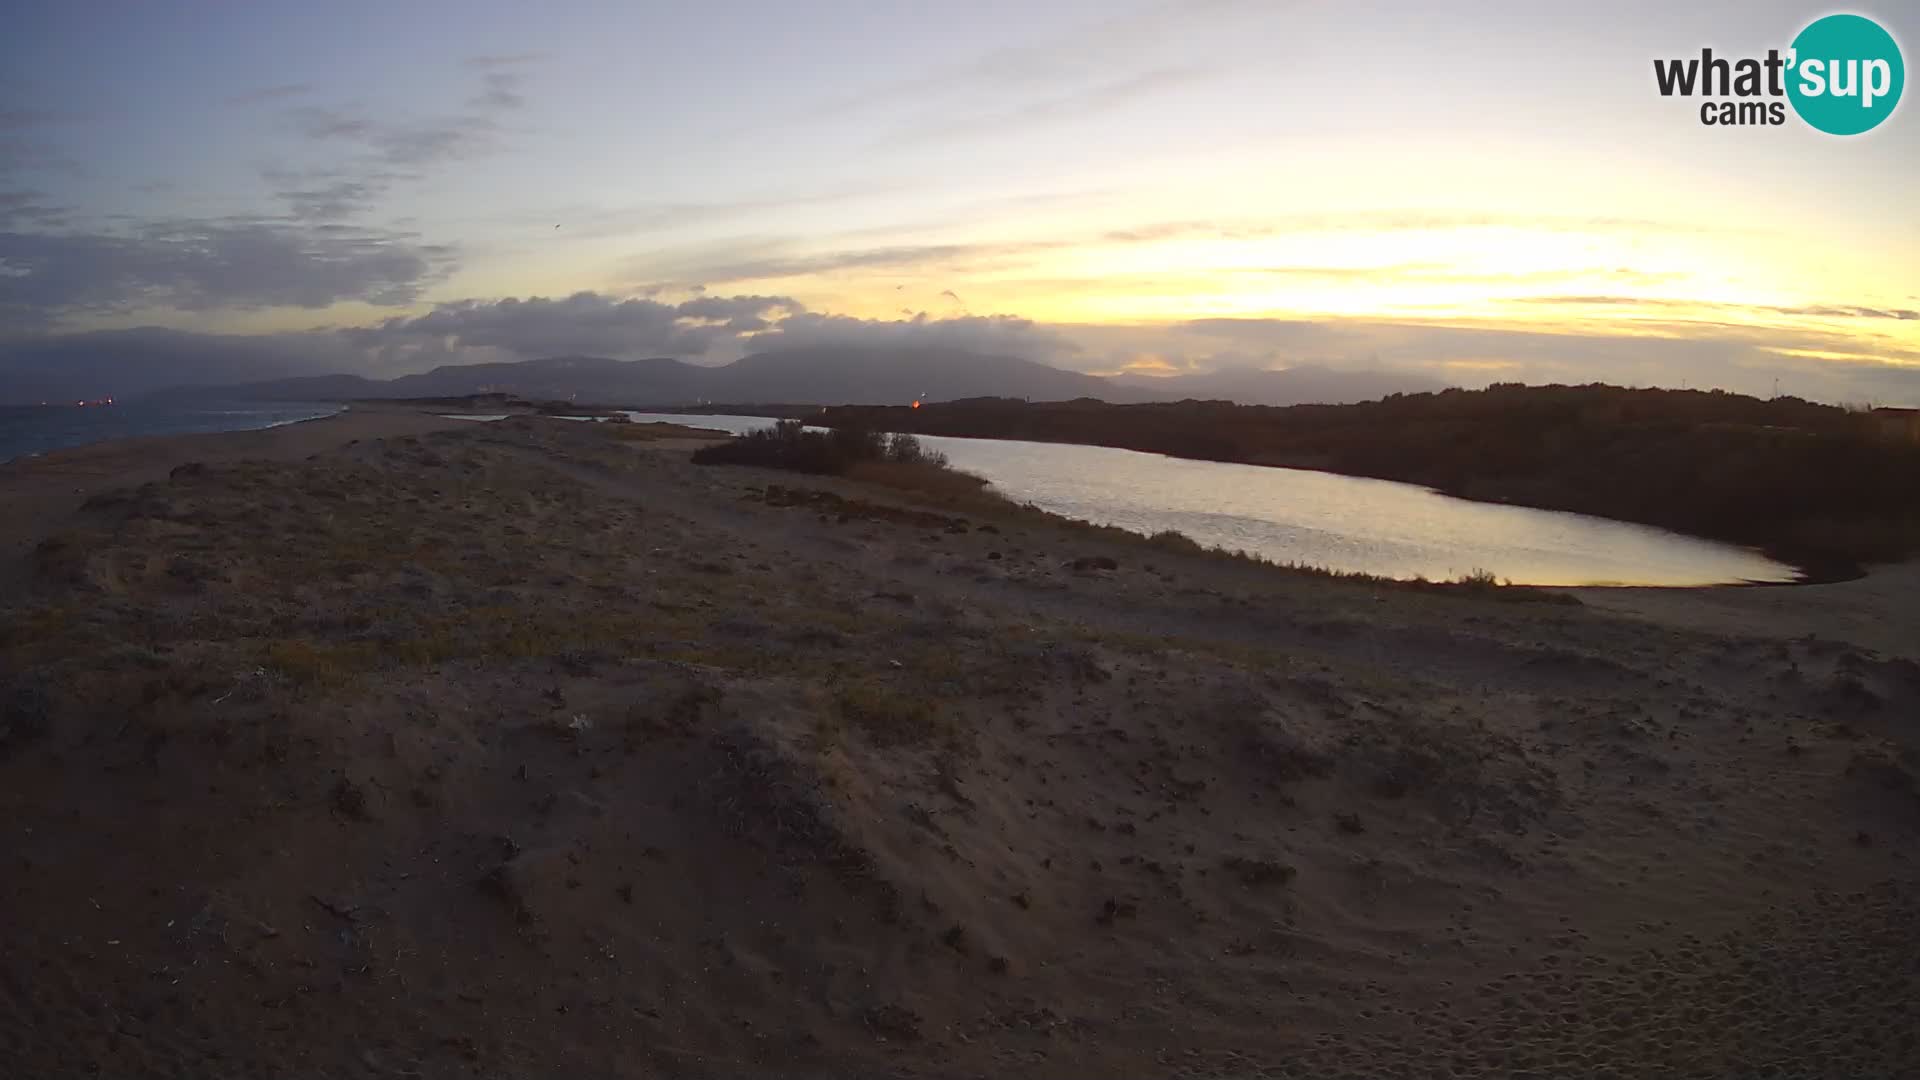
x,y
1846,74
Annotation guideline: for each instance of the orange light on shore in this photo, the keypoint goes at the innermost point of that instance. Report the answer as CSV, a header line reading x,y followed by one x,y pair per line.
x,y
916,403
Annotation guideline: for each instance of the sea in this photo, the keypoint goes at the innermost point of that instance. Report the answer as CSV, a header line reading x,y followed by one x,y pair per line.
x,y
28,431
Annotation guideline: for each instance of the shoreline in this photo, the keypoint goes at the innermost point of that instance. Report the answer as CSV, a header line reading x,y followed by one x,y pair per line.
x,y
435,414
334,409
1022,423
1811,571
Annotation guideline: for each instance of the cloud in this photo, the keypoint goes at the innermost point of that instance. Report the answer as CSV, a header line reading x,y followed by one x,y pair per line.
x,y
1737,357
20,119
1088,67
1399,220
742,263
1082,101
502,91
28,207
1008,335
264,94
21,153
715,328
24,203
496,61
585,323
138,360
404,144
206,265
319,122
1903,314
1480,365
384,152
1074,56
705,328
1824,311
328,195
433,142
412,144
125,363
739,314
1148,364
501,81
1601,301
657,216
761,258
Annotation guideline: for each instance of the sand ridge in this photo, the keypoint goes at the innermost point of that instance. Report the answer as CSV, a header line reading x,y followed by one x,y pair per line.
x,y
520,747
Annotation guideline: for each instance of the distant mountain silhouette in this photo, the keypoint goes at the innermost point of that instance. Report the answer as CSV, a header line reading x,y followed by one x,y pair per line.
x,y
126,364
822,375
585,378
1304,385
825,376
873,376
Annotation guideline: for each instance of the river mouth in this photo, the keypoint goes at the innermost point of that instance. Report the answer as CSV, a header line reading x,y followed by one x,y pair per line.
x,y
1335,522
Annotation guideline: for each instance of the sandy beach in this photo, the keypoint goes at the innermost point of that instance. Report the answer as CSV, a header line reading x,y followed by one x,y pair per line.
x,y
392,745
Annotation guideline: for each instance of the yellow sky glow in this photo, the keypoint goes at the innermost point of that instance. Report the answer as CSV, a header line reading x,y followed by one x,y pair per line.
x,y
1619,280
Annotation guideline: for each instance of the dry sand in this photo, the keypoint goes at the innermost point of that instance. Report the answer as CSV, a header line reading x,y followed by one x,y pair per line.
x,y
521,749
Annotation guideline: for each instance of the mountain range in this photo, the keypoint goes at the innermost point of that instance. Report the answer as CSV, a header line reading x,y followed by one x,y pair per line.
x,y
129,364
827,376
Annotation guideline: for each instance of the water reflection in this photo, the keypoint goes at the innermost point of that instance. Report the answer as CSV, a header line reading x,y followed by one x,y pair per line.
x,y
1340,522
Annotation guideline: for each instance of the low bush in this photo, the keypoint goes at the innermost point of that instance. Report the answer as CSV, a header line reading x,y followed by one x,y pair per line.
x,y
931,483
790,445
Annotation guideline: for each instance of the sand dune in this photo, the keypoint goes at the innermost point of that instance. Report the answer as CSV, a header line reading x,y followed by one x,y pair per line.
x,y
525,749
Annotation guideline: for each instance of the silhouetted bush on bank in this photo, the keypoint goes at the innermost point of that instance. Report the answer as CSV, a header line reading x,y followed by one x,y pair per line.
x,y
789,445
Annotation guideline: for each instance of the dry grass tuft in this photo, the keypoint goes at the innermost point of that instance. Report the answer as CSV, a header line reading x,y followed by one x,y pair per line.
x,y
948,487
888,717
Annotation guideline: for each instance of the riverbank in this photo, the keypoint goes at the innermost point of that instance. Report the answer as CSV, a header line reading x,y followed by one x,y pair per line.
x,y
1815,486
530,745
1344,524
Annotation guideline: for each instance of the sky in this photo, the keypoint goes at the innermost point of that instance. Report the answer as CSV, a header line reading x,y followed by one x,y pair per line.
x,y
1478,191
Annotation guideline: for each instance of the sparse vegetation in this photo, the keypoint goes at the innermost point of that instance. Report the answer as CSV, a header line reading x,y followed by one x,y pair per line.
x,y
790,445
937,484
625,430
1256,872
1175,540
524,682
887,716
901,463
